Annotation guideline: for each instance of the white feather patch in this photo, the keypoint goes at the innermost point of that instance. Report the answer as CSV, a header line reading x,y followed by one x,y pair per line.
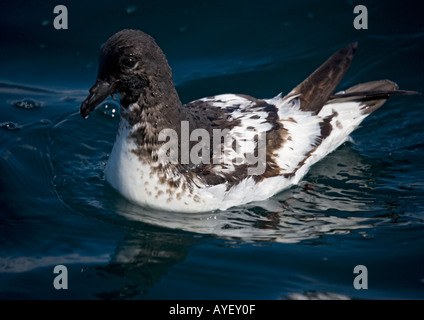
x,y
252,122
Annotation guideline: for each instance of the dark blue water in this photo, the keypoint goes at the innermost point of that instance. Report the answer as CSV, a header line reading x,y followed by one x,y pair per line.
x,y
362,205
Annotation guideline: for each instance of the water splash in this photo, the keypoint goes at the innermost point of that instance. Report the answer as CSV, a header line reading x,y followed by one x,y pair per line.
x,y
109,109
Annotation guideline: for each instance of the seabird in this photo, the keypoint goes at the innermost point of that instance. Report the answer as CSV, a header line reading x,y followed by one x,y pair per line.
x,y
286,135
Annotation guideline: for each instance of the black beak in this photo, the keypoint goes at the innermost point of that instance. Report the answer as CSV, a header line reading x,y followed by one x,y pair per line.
x,y
100,91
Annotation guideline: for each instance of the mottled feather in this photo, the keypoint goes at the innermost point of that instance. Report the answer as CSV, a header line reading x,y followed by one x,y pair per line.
x,y
299,129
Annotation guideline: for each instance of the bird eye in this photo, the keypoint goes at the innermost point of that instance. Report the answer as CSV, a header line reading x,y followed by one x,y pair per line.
x,y
129,62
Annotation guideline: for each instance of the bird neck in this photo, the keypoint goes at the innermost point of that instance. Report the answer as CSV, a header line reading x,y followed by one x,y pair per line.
x,y
158,107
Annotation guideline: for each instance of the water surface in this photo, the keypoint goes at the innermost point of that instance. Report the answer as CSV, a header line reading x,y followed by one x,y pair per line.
x,y
362,205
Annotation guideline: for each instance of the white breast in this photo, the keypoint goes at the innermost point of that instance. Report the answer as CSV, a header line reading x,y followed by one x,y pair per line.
x,y
139,181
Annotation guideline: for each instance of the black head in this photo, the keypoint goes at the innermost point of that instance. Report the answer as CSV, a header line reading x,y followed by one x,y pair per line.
x,y
128,63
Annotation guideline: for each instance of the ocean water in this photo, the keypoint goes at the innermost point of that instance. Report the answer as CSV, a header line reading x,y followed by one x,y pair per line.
x,y
362,205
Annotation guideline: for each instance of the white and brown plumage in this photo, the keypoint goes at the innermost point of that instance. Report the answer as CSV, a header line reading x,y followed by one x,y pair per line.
x,y
301,128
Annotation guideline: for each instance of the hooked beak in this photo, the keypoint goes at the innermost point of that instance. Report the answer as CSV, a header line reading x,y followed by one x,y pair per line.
x,y
100,91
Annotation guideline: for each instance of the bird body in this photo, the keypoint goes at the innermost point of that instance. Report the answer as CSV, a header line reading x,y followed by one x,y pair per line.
x,y
225,150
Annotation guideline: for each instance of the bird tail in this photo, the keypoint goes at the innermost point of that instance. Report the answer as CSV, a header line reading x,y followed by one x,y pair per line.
x,y
317,90
371,95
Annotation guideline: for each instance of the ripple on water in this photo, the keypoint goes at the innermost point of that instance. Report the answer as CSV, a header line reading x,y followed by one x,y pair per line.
x,y
10,126
131,9
28,104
